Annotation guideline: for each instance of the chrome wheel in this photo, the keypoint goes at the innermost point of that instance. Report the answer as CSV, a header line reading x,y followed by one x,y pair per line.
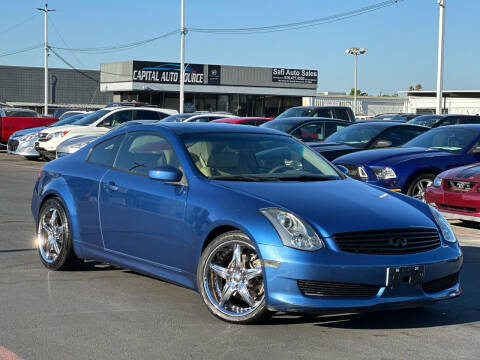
x,y
50,235
233,279
418,191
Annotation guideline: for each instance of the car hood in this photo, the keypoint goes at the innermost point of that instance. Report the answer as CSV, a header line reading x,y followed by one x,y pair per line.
x,y
338,205
469,172
390,156
333,150
55,129
78,139
27,131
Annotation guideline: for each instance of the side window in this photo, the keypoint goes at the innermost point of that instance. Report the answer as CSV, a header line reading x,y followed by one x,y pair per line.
x,y
341,114
333,127
201,119
399,136
147,115
142,151
105,152
470,120
451,120
310,132
252,123
324,112
117,118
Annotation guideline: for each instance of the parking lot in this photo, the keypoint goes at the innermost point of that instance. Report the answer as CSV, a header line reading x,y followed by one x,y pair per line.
x,y
104,312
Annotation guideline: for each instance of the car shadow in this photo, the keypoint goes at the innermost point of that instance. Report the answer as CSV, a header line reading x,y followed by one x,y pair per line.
x,y
462,310
92,265
17,250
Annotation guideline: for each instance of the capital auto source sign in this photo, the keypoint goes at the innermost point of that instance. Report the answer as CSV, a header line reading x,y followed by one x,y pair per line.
x,y
294,76
166,73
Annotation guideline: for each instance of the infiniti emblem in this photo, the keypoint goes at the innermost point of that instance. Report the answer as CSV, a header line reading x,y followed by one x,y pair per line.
x,y
398,242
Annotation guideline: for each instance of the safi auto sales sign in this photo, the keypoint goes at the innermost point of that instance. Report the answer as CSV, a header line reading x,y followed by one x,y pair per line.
x,y
166,73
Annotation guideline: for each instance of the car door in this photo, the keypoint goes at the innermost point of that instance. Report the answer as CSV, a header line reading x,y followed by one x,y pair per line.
x,y
142,217
312,131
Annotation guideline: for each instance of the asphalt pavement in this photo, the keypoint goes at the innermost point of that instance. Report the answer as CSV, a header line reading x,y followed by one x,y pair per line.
x,y
105,312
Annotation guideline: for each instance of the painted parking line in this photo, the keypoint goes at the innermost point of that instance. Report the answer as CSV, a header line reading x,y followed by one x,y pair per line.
x,y
6,354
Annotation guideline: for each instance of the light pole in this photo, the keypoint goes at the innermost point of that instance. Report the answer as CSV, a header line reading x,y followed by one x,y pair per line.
x,y
441,31
46,10
355,51
183,32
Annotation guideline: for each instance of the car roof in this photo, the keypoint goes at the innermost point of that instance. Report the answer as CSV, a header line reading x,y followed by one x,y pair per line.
x,y
181,128
296,120
384,123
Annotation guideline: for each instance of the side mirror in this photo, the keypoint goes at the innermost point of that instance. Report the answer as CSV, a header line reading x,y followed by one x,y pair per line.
x,y
382,144
342,168
165,173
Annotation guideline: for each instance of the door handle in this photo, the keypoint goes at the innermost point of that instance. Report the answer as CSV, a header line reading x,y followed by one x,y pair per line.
x,y
111,186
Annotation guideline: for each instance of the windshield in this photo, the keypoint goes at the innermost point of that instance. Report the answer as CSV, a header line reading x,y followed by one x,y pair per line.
x,y
297,112
425,120
177,117
356,135
68,120
278,125
256,157
448,139
92,117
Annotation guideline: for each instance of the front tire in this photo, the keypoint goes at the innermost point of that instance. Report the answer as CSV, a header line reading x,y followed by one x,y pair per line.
x,y
230,279
419,185
54,237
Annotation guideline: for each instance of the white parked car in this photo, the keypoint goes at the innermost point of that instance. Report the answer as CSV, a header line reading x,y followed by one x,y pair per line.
x,y
198,117
96,123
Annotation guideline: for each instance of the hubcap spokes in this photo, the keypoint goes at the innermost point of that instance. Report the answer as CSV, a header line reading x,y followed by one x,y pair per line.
x,y
420,188
234,287
50,235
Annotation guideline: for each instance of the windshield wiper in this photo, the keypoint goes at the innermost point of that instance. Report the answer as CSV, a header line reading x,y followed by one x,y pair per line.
x,y
308,178
243,178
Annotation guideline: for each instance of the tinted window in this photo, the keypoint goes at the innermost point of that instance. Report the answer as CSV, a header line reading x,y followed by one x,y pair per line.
x,y
279,125
425,120
105,152
333,127
201,119
470,120
451,120
341,114
117,118
91,118
142,151
147,115
399,136
324,112
356,135
310,132
21,113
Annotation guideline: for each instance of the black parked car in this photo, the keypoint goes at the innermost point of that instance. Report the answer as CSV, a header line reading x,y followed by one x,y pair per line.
x,y
333,112
402,117
433,121
367,135
307,129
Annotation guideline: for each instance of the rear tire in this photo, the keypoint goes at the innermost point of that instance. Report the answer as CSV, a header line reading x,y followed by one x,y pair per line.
x,y
54,236
419,184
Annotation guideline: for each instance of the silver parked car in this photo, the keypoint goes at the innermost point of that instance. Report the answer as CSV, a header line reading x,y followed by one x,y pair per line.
x,y
22,142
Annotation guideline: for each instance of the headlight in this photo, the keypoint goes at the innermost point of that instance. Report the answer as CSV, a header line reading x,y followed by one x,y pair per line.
x,y
383,173
59,133
437,182
28,137
444,226
79,145
293,231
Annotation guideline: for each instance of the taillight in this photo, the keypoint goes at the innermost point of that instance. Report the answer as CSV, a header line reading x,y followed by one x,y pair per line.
x,y
40,173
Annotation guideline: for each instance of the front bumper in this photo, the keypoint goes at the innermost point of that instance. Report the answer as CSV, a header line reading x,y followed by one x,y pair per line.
x,y
23,148
455,205
283,292
46,154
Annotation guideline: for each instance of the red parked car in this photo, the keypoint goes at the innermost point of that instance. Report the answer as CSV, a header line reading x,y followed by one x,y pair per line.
x,y
13,119
456,193
254,121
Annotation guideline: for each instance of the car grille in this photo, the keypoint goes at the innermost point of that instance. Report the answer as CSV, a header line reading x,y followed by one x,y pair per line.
x,y
463,186
333,289
440,284
356,172
12,145
457,208
389,241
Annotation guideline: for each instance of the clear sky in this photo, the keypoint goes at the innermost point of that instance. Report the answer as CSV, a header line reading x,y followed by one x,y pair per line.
x,y
401,39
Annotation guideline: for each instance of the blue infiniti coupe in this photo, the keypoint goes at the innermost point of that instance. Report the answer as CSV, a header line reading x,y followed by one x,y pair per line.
x,y
251,218
411,168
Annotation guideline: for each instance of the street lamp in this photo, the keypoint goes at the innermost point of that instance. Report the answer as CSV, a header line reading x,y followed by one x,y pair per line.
x,y
355,51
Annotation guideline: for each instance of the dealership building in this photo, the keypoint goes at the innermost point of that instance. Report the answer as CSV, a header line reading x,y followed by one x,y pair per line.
x,y
241,90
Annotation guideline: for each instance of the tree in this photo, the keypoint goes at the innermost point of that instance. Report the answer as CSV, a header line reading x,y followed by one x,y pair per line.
x,y
411,88
359,92
418,87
